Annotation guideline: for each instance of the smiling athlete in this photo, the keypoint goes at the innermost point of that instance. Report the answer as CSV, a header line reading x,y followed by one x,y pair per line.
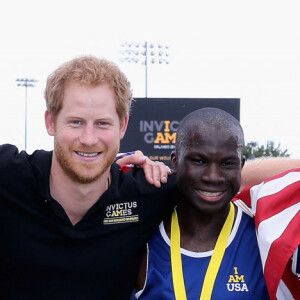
x,y
208,246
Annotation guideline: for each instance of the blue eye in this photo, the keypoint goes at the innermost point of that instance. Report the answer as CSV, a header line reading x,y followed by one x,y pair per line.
x,y
102,123
76,122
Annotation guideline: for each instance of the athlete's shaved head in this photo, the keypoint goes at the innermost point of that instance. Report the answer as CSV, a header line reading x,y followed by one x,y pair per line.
x,y
204,122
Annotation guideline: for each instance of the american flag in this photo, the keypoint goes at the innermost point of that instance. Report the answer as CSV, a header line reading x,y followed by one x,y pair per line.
x,y
275,206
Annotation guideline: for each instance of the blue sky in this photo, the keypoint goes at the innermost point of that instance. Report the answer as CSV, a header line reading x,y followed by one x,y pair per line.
x,y
241,49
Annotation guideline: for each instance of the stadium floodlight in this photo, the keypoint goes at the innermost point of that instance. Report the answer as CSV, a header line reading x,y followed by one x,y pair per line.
x,y
145,53
26,82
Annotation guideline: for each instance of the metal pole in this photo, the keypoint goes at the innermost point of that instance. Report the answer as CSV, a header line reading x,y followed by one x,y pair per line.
x,y
26,116
146,70
26,83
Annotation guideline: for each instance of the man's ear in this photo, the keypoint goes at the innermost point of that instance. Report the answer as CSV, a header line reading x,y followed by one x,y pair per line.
x,y
174,161
243,161
123,126
49,123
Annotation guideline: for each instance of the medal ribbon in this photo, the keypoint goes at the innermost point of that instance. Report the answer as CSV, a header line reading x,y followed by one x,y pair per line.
x,y
214,264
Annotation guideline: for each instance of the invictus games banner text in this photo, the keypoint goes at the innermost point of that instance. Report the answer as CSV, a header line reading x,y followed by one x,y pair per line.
x,y
153,122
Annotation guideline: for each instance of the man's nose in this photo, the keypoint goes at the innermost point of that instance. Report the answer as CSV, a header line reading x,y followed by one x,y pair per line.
x,y
213,173
88,136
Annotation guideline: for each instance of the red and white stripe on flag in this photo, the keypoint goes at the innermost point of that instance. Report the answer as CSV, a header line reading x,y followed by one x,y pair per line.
x,y
275,206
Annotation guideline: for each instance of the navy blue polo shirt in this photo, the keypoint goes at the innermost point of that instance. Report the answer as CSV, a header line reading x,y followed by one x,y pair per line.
x,y
43,256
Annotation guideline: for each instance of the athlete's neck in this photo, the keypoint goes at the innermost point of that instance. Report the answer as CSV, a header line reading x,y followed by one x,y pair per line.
x,y
199,231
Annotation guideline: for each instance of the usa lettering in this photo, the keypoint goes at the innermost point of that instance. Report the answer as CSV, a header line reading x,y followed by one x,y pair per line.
x,y
236,282
237,287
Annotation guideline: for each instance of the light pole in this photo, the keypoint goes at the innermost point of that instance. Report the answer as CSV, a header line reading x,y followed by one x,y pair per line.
x,y
26,82
145,53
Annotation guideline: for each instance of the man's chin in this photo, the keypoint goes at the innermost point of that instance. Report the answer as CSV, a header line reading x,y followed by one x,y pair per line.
x,y
85,180
81,178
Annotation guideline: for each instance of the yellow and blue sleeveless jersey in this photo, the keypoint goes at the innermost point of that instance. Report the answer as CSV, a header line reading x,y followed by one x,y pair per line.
x,y
240,275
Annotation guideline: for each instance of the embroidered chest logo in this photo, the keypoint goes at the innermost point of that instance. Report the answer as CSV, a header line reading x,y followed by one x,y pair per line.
x,y
236,282
120,213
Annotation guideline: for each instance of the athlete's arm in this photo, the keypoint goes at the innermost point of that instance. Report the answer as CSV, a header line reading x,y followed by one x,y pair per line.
x,y
257,170
254,171
155,172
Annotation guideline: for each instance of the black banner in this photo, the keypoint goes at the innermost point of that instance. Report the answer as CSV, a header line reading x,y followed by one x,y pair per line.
x,y
154,121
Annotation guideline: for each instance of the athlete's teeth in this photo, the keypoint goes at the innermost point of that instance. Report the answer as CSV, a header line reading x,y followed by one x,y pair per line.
x,y
211,194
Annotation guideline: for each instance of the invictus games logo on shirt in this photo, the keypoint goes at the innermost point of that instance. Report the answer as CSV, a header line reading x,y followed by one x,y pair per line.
x,y
120,213
236,282
162,134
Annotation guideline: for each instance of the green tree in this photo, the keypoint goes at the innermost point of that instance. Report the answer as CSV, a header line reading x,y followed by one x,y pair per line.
x,y
253,150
